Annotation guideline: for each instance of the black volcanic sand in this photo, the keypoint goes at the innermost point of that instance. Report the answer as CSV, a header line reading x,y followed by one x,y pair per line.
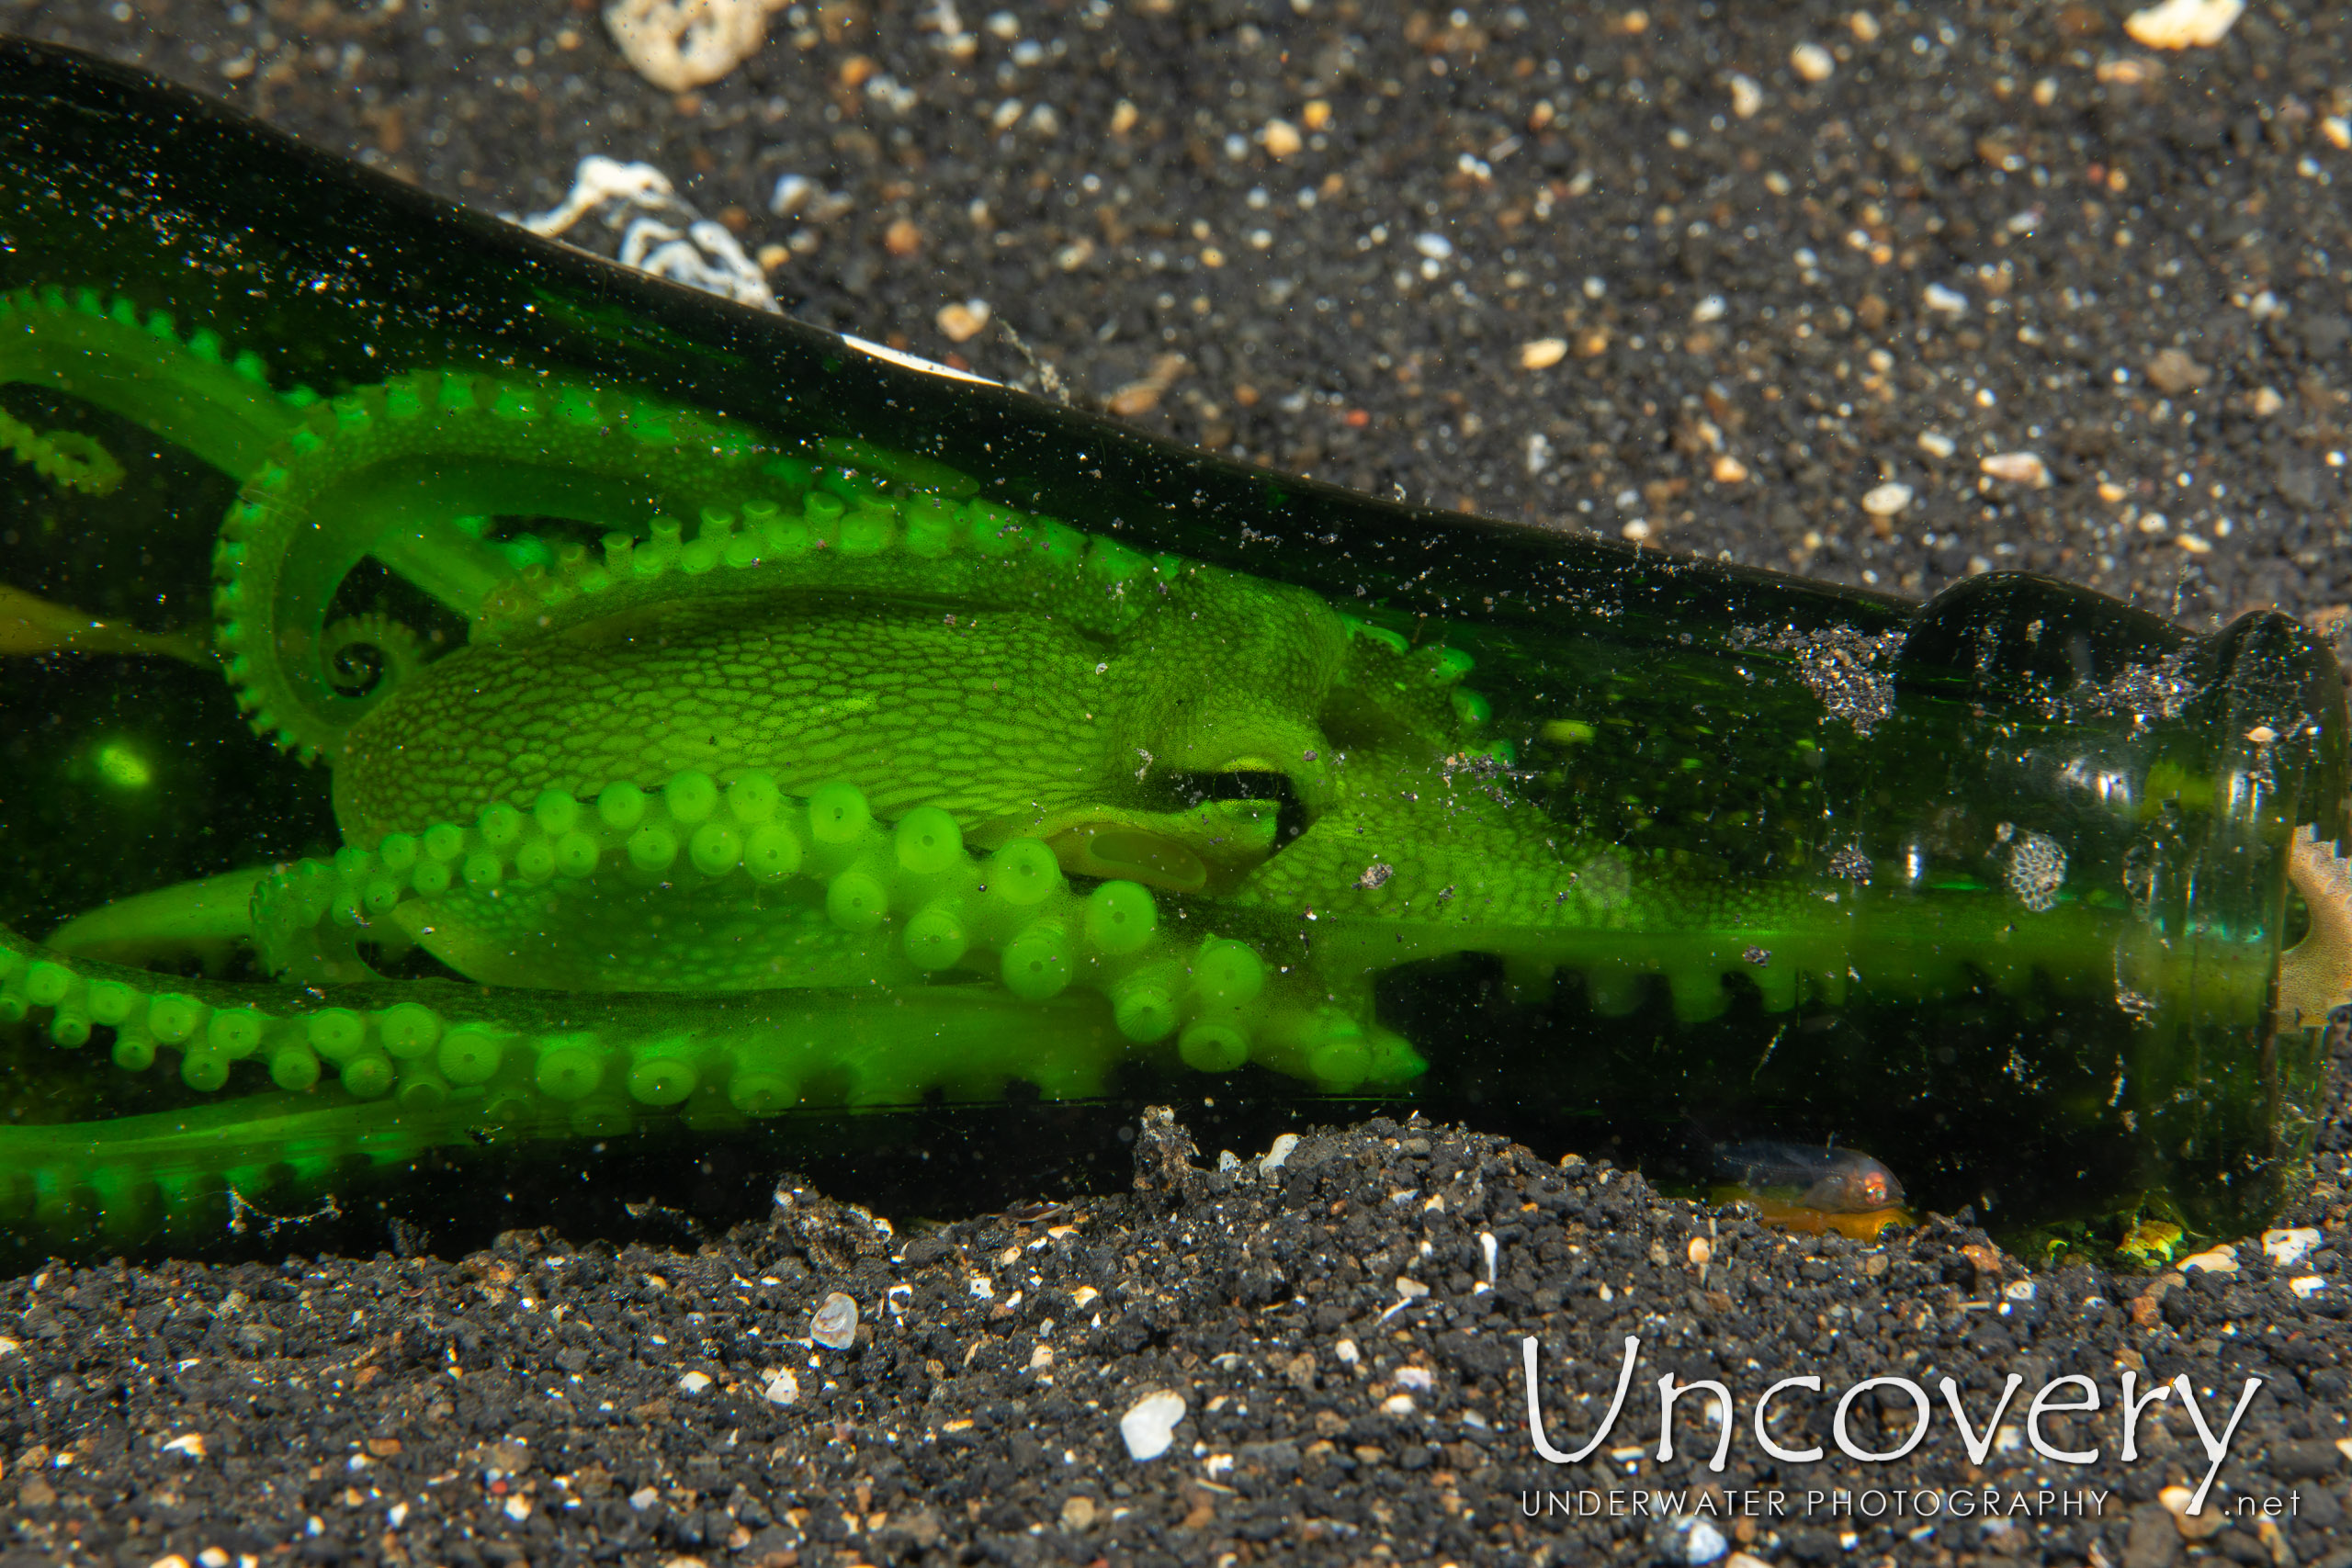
x,y
1985,232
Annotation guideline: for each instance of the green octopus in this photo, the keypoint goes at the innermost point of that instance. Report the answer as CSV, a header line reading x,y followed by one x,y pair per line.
x,y
777,772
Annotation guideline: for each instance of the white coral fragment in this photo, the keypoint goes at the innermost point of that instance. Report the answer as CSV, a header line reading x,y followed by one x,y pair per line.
x,y
679,45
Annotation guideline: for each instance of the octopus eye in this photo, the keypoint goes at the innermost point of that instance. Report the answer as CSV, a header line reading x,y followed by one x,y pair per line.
x,y
1246,783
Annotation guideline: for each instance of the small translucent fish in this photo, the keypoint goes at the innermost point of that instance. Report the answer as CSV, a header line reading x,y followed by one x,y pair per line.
x,y
1804,1187
31,626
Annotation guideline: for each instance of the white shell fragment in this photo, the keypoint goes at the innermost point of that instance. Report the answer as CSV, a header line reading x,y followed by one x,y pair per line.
x,y
1886,500
2285,1248
2222,1260
682,44
1275,1156
2184,23
1149,1424
694,1382
835,1324
782,1387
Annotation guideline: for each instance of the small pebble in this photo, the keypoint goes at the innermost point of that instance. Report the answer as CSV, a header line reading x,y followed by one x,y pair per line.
x,y
2017,467
1729,470
2184,23
1149,1424
835,1324
694,1382
1702,1542
1951,301
1542,354
2173,372
1935,444
2205,1522
2285,1248
1747,96
1812,62
1886,500
1283,139
962,322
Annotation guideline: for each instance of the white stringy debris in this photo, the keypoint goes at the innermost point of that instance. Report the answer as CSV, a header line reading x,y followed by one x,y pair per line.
x,y
660,234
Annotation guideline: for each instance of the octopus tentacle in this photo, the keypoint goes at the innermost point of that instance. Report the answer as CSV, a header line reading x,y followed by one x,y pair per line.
x,y
191,388
835,530
328,1081
398,652
64,457
383,463
765,879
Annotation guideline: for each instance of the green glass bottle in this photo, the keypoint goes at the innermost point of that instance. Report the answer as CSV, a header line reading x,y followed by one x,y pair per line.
x,y
662,716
